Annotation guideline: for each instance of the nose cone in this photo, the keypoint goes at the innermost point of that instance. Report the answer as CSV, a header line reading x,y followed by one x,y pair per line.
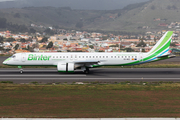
x,y
6,61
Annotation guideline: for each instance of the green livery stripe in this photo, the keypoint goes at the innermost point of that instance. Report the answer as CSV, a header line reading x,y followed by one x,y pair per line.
x,y
169,34
158,52
7,59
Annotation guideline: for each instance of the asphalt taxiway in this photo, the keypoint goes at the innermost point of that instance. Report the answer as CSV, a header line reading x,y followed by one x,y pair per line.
x,y
110,75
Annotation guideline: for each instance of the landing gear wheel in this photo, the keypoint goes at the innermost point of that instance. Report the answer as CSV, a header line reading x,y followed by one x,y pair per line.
x,y
21,71
86,71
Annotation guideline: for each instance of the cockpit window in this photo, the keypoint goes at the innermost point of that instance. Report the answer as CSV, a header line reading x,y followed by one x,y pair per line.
x,y
13,56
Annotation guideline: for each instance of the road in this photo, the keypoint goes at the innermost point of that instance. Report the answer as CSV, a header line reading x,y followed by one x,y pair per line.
x,y
109,75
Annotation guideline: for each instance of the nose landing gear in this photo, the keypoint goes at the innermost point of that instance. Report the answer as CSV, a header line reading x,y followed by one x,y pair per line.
x,y
20,69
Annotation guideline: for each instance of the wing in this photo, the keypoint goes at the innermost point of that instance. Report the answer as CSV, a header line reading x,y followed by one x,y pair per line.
x,y
169,55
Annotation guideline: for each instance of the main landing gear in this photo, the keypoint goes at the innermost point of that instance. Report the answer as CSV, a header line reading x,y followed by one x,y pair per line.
x,y
85,70
20,69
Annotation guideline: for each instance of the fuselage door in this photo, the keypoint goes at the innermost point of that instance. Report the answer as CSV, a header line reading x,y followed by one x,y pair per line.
x,y
141,57
73,57
23,57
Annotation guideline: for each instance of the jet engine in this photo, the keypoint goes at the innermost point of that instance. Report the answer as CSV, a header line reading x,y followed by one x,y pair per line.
x,y
65,67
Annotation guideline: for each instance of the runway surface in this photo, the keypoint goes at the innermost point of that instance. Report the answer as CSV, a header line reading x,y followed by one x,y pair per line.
x,y
109,75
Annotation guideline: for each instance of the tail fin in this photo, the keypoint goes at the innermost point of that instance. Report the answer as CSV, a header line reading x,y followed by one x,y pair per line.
x,y
162,46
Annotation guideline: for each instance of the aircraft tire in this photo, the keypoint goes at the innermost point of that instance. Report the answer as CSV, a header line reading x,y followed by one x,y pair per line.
x,y
21,71
86,71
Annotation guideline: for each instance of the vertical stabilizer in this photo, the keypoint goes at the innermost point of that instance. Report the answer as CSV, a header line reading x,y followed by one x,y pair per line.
x,y
162,46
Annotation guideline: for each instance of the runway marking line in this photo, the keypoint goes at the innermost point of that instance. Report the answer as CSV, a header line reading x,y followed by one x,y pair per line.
x,y
43,75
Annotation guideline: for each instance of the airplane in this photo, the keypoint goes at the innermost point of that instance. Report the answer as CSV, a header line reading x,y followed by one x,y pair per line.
x,y
69,62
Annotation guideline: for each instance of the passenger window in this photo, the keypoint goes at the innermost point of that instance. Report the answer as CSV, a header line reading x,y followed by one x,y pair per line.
x,y
106,56
56,56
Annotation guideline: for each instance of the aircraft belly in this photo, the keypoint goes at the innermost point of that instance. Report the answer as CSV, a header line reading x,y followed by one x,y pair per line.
x,y
116,62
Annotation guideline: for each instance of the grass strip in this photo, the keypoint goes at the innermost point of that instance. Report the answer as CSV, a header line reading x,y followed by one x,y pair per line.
x,y
90,100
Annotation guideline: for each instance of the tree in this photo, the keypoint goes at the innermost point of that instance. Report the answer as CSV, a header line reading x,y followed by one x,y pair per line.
x,y
141,44
173,44
1,39
143,50
91,46
10,40
44,40
16,46
50,45
155,39
49,31
129,50
28,48
22,40
1,48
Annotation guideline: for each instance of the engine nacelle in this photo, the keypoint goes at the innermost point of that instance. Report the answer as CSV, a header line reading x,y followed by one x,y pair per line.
x,y
65,67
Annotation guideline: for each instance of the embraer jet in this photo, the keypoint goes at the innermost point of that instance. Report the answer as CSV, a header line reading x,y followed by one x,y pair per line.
x,y
69,62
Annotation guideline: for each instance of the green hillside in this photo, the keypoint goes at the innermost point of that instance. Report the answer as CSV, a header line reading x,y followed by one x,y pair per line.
x,y
167,10
132,18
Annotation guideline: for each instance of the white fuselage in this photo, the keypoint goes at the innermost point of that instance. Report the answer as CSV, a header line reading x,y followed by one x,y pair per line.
x,y
53,59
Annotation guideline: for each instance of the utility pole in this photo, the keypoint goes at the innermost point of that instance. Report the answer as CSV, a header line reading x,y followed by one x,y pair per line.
x,y
119,43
